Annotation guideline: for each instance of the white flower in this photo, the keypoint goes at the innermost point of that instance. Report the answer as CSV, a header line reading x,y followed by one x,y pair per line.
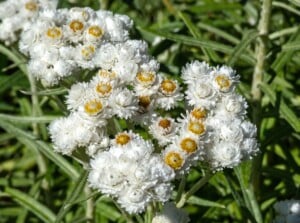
x,y
194,70
171,214
72,132
201,93
169,94
163,129
224,78
130,173
123,103
223,155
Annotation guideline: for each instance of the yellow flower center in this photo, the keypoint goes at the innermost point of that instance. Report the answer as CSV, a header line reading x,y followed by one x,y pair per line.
x,y
223,82
87,52
76,25
174,160
146,78
198,113
122,138
144,101
54,32
103,89
107,74
31,6
164,123
95,31
168,87
189,145
197,128
93,107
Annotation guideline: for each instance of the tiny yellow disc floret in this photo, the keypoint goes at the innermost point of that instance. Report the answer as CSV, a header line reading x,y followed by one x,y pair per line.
x,y
174,160
223,82
95,31
93,107
146,78
164,123
76,25
31,6
104,89
189,145
54,32
168,87
122,138
197,128
198,113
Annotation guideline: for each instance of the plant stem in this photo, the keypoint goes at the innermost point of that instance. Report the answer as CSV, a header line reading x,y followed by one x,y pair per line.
x,y
194,189
89,213
180,188
260,54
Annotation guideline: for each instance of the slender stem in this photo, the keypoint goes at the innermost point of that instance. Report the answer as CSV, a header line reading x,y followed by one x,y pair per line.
x,y
89,213
260,53
180,188
194,189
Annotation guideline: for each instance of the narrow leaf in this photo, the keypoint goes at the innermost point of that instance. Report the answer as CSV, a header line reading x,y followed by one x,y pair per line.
x,y
41,211
74,194
30,140
239,49
203,202
190,41
27,119
284,110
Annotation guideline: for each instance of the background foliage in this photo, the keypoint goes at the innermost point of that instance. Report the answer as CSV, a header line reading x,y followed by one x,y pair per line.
x,y
37,185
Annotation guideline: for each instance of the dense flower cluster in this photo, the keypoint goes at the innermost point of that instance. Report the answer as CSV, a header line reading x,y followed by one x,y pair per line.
x,y
214,129
127,85
287,211
130,172
64,41
17,15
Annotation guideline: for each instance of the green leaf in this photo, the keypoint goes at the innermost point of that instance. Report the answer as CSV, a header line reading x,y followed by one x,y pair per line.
x,y
6,82
75,193
286,7
30,140
243,173
203,202
194,31
27,119
41,211
284,110
293,46
19,61
239,49
190,41
213,6
48,92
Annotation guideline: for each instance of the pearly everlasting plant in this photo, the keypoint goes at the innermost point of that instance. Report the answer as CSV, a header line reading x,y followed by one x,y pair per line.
x,y
125,85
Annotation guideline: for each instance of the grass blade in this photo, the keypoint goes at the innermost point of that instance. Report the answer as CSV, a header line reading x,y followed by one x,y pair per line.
x,y
238,50
74,194
41,211
284,110
30,140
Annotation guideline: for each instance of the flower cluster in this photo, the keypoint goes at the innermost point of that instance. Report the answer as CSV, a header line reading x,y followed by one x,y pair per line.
x,y
127,85
17,15
64,41
214,129
287,211
131,173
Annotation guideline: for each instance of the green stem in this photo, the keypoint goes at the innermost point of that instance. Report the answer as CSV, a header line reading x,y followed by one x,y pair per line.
x,y
89,213
180,189
260,54
193,190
